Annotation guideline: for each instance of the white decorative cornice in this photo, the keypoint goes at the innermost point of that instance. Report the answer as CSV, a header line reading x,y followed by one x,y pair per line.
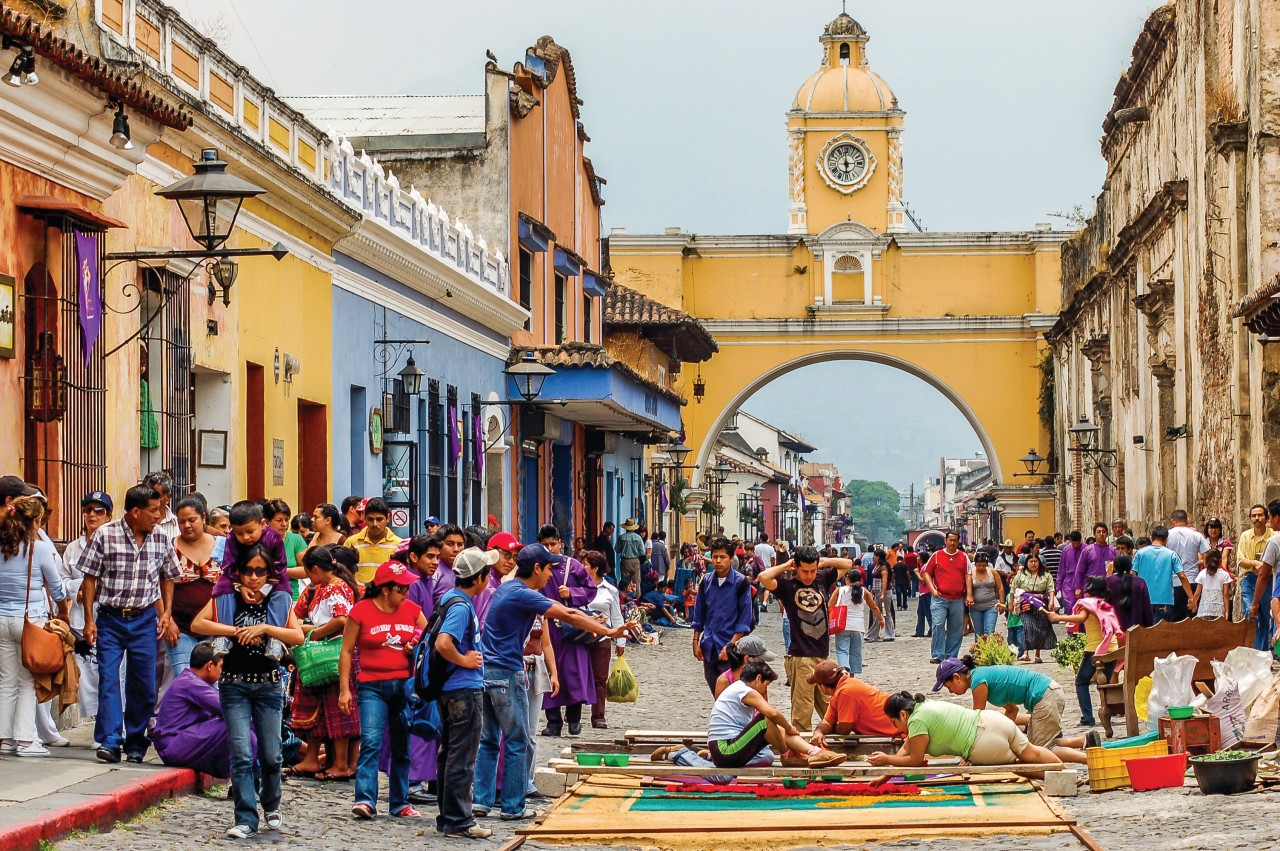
x,y
60,131
1028,325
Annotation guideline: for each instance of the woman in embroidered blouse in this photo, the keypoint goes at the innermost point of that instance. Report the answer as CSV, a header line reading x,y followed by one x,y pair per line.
x,y
201,568
324,605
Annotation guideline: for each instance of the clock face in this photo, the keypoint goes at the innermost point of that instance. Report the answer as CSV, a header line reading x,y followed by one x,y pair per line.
x,y
846,163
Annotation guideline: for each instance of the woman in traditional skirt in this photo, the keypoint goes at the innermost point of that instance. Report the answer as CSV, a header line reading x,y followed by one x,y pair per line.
x,y
325,604
570,585
1033,593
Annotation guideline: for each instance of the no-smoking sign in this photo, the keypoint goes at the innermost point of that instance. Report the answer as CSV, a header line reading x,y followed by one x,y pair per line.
x,y
400,517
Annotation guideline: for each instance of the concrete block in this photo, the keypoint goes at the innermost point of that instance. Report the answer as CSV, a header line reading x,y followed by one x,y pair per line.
x,y
550,782
1061,784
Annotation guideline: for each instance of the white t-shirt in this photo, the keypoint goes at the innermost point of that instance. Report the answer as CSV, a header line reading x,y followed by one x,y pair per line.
x,y
766,553
1188,544
1212,593
856,620
729,715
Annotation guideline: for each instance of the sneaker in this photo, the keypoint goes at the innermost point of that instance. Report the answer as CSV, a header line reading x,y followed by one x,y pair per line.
x,y
33,749
222,644
935,661
363,811
791,759
135,756
665,753
1087,722
8,749
274,820
418,794
825,759
407,811
239,831
481,812
473,832
575,730
59,742
527,814
110,755
1093,739
551,732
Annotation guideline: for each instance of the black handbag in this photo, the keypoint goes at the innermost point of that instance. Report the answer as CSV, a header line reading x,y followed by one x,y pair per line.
x,y
576,634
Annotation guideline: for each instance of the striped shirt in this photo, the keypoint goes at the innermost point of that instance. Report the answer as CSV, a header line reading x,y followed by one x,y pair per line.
x,y
372,555
128,575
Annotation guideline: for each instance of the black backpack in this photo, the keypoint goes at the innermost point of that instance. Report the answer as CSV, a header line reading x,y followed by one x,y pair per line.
x,y
430,669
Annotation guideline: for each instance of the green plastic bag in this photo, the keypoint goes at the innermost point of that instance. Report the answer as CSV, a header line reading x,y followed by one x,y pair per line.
x,y
622,686
317,661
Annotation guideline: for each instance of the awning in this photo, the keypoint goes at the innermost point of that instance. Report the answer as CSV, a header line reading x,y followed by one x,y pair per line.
x,y
47,206
592,285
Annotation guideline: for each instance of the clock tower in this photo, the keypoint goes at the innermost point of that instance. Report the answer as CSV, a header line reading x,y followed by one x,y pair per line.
x,y
844,141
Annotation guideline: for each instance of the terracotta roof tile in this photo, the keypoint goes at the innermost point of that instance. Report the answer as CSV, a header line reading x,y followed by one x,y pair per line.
x,y
625,307
587,355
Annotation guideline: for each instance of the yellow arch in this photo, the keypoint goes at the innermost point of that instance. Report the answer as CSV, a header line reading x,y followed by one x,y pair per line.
x,y
705,446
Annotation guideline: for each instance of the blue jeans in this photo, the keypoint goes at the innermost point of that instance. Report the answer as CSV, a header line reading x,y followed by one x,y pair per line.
x,y
849,650
122,719
180,653
924,614
253,707
460,719
1248,589
1161,612
948,627
786,633
506,697
381,706
984,621
1015,638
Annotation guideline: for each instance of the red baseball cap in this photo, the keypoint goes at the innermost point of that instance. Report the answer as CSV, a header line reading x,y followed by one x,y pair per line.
x,y
505,541
393,572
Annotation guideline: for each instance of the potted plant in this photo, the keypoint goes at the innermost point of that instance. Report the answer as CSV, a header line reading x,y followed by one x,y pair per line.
x,y
1226,772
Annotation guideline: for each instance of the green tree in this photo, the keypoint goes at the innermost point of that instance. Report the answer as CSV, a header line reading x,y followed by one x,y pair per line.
x,y
873,508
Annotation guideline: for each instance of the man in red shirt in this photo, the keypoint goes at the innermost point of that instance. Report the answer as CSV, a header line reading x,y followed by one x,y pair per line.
x,y
944,576
856,707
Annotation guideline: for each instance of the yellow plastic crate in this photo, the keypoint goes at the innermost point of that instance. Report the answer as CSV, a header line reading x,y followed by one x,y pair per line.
x,y
1106,765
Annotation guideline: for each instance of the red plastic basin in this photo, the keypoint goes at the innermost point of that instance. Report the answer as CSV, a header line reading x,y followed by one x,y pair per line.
x,y
1157,772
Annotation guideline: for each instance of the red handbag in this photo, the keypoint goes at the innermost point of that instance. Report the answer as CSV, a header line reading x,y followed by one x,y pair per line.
x,y
839,618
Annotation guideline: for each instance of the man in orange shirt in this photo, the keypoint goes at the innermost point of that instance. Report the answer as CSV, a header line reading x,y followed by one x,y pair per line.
x,y
856,707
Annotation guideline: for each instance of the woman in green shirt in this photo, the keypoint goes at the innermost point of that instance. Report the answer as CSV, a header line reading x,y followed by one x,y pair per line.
x,y
1009,689
937,728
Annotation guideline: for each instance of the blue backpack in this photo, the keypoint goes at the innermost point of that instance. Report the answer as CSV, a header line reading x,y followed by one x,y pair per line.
x,y
429,672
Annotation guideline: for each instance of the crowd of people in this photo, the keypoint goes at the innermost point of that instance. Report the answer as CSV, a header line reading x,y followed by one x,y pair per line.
x,y
249,642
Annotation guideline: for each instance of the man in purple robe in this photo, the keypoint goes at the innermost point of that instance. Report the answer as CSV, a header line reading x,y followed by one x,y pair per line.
x,y
507,546
1069,577
570,585
1096,556
190,731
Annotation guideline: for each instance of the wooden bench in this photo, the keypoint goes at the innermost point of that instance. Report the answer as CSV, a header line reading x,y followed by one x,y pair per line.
x,y
1207,640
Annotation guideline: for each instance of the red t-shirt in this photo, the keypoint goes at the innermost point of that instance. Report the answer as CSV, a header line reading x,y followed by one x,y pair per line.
x,y
948,572
383,638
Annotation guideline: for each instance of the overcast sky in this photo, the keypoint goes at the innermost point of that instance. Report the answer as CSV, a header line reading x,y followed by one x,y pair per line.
x,y
685,103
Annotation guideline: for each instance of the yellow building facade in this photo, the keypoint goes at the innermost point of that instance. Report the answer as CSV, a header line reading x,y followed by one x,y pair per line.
x,y
852,279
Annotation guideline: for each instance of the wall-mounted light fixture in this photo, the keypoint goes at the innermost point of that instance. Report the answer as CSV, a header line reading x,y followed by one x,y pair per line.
x,y
22,71
120,136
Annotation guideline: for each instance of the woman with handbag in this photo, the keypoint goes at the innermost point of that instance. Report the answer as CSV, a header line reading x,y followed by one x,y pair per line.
x,y
848,626
602,650
201,568
28,569
323,607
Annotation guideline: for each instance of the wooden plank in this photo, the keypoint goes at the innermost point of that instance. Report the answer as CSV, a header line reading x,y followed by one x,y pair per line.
x,y
1085,838
513,843
662,769
758,827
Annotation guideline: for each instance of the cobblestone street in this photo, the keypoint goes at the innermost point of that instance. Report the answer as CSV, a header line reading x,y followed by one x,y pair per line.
x,y
673,696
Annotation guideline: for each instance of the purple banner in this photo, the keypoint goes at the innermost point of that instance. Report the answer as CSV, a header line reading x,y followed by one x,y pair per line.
x,y
455,440
663,502
477,440
89,294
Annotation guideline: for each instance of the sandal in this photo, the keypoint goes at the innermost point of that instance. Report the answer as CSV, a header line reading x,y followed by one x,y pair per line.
x,y
330,777
293,772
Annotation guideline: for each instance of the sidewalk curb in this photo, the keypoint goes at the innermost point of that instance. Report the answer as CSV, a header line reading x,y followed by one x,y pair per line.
x,y
102,811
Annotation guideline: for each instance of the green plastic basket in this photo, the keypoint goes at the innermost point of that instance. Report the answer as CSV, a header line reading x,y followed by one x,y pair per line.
x,y
317,661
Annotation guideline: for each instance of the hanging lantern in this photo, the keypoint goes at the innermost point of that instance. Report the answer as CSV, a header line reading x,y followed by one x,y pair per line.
x,y
46,382
699,387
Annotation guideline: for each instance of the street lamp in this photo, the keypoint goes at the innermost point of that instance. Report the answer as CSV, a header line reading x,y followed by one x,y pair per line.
x,y
411,376
1084,432
678,452
529,376
1032,461
210,199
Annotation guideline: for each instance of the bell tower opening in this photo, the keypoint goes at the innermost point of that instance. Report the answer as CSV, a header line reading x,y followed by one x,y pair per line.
x,y
844,54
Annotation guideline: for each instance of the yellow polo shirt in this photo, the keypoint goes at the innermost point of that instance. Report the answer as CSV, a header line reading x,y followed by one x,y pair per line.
x,y
372,555
1251,546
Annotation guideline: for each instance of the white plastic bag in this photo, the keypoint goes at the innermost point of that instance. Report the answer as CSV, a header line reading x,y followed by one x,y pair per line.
x,y
1226,704
1251,670
1263,721
1170,686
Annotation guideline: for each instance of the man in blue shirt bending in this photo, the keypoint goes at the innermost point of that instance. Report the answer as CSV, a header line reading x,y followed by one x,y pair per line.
x,y
722,613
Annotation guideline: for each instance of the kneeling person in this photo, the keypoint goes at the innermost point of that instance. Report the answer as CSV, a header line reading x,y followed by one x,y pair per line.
x,y
190,731
856,707
1008,688
744,725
